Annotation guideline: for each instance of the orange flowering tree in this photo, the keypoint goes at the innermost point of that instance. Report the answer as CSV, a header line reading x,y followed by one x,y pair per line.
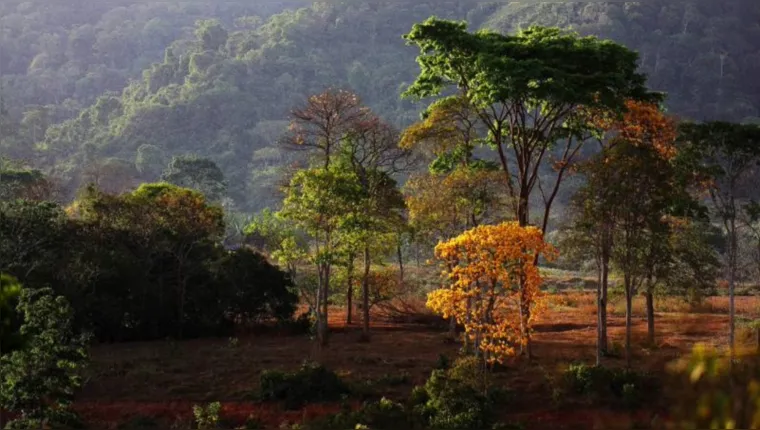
x,y
493,286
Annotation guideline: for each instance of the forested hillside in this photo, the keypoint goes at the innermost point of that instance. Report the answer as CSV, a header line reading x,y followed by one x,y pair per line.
x,y
222,87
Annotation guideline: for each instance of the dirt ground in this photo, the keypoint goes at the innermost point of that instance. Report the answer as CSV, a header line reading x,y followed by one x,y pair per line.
x,y
163,380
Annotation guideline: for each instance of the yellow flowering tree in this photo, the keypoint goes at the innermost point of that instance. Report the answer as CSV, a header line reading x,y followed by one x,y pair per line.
x,y
493,288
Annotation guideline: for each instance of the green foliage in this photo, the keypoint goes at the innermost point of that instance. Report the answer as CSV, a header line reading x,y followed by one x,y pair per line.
x,y
220,89
450,399
196,173
456,399
617,387
10,320
257,290
310,383
207,417
379,415
142,265
39,381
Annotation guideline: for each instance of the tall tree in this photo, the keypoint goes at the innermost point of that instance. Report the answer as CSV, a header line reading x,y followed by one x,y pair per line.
x,y
532,93
371,153
728,154
324,120
318,201
197,173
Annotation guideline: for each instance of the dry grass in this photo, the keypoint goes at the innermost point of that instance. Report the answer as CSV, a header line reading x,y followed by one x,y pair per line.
x,y
164,379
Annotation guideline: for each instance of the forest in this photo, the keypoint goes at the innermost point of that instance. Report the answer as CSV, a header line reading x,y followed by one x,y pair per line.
x,y
379,215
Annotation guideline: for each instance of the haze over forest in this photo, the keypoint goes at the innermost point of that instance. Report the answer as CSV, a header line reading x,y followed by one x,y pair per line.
x,y
108,92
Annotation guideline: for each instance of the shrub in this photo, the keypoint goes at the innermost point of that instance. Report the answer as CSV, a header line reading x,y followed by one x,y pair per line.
x,y
455,398
310,383
450,399
443,362
207,417
38,381
380,415
620,387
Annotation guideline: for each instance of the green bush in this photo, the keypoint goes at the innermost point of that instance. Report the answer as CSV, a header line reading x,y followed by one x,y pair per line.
x,y
620,387
39,380
207,417
450,399
310,383
455,404
379,415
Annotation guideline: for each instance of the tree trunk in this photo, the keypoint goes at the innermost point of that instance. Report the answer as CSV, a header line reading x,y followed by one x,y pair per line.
x,y
318,304
731,285
599,322
350,290
325,298
400,263
628,310
603,341
525,313
365,295
650,314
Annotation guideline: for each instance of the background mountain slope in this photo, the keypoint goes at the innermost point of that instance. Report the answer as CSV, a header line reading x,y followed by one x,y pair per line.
x,y
224,74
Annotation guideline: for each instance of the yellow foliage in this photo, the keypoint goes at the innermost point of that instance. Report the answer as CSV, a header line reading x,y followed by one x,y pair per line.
x,y
710,392
493,286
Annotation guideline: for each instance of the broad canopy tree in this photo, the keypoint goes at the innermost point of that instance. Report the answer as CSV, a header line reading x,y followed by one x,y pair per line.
x,y
534,93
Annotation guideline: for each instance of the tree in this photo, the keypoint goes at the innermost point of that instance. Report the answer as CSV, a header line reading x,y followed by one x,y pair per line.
x,y
257,289
325,120
29,184
39,380
629,194
317,202
32,240
170,232
372,155
488,269
728,155
531,92
196,173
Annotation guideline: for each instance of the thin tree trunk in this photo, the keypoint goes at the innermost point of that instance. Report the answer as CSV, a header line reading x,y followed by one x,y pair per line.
x,y
599,322
650,314
325,298
628,310
400,263
365,295
350,290
731,285
603,302
318,304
